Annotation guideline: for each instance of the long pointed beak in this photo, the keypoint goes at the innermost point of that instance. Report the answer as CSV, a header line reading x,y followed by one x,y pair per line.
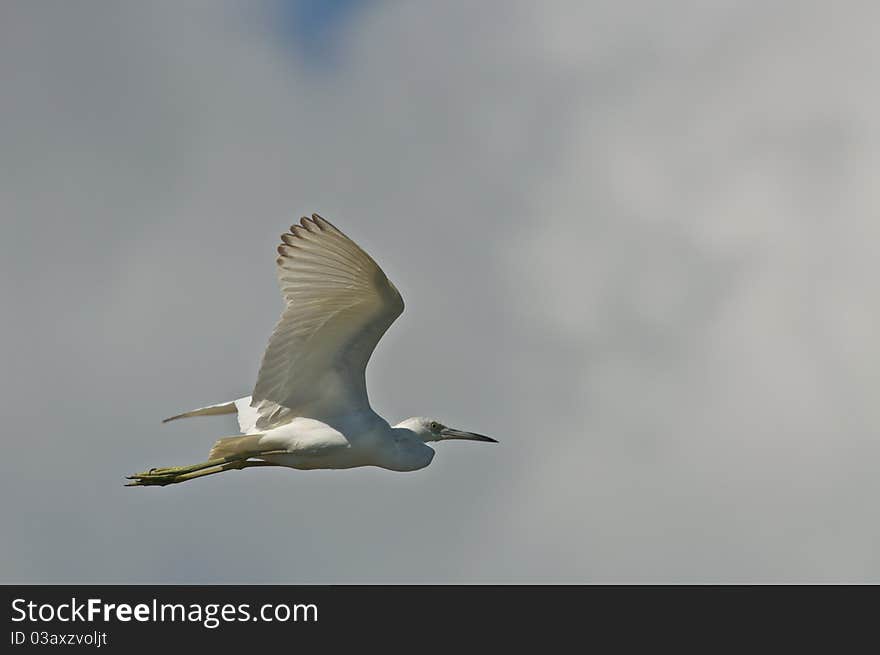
x,y
451,433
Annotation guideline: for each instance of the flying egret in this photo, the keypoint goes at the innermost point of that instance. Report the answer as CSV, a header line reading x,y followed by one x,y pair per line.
x,y
309,408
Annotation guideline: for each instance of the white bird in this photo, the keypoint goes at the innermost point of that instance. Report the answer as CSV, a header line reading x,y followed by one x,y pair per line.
x,y
309,408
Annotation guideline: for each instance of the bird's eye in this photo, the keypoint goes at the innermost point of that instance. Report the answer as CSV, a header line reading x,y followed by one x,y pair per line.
x,y
435,426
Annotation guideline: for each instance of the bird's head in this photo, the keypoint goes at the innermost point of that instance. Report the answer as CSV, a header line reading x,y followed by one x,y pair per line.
x,y
433,430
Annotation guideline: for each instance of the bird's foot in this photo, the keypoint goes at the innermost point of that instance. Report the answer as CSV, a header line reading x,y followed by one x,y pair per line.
x,y
174,474
179,470
150,479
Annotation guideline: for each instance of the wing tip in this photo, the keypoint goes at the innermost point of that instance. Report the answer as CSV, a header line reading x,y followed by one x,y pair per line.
x,y
323,224
310,223
296,230
314,224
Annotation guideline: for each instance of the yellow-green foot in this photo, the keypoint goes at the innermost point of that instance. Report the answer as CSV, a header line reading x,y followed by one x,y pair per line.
x,y
159,477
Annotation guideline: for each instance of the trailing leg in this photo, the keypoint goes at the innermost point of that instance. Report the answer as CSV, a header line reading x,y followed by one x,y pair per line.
x,y
176,474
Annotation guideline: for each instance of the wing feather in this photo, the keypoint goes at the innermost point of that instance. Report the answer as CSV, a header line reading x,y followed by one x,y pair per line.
x,y
339,304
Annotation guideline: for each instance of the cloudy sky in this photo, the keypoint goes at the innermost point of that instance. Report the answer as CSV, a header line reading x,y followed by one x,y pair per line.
x,y
637,242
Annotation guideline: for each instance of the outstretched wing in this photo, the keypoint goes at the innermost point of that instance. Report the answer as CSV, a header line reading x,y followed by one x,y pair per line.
x,y
339,304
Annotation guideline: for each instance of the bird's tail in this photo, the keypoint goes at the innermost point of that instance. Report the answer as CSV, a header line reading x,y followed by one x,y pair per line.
x,y
227,446
247,415
210,410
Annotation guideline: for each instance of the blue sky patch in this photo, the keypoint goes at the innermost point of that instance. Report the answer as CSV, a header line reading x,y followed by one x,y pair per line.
x,y
313,28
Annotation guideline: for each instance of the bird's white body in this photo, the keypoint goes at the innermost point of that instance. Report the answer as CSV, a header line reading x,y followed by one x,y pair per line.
x,y
361,438
309,408
356,440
